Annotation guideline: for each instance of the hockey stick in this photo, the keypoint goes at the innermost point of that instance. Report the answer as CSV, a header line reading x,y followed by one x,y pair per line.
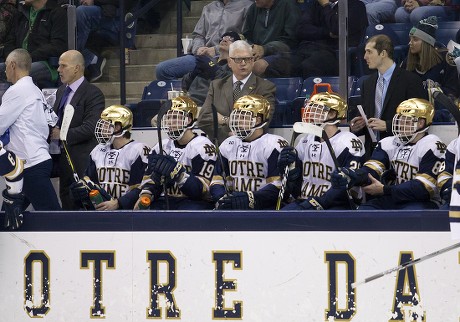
x,y
405,265
318,131
440,97
66,119
216,143
163,109
285,174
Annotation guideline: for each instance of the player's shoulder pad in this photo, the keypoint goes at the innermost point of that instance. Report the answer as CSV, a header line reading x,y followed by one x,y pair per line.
x,y
433,142
273,141
348,140
203,146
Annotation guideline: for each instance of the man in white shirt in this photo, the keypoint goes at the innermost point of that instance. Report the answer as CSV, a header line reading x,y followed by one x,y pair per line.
x,y
22,112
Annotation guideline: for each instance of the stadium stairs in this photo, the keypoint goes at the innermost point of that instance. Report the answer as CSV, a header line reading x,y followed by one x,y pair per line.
x,y
150,50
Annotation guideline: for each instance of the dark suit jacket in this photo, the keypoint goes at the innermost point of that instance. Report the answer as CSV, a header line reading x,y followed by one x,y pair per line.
x,y
221,95
403,85
89,102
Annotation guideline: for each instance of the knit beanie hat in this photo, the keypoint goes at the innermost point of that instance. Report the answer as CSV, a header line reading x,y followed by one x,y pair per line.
x,y
426,30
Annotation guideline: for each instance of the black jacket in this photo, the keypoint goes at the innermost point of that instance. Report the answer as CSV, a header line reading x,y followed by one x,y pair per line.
x,y
48,37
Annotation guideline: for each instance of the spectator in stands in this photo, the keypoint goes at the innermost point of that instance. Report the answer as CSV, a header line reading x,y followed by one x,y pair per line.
x,y
96,15
22,114
248,176
270,27
115,154
384,90
40,26
414,157
224,92
413,11
318,32
430,64
7,11
216,18
88,102
310,163
197,82
380,11
185,167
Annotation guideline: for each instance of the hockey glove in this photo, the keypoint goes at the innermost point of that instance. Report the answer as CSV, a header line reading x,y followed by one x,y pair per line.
x,y
311,204
165,166
13,209
237,200
288,158
80,192
344,179
94,186
388,177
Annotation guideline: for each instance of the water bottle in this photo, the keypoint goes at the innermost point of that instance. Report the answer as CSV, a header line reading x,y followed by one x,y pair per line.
x,y
95,197
144,203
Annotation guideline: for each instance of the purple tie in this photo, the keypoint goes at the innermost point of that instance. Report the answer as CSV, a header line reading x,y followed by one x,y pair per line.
x,y
64,98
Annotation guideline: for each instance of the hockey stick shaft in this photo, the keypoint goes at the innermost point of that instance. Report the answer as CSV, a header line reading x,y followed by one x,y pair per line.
x,y
405,265
163,109
285,174
65,125
216,143
318,131
446,102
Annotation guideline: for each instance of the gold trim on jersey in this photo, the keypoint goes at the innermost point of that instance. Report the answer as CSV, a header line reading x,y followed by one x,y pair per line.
x,y
428,182
442,178
375,165
18,168
454,214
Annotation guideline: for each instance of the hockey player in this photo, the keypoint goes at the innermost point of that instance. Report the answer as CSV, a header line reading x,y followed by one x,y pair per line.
x,y
311,164
186,165
414,156
249,159
117,164
11,168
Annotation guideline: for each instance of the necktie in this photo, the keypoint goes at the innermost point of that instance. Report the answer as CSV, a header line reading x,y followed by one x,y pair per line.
x,y
62,104
237,90
379,97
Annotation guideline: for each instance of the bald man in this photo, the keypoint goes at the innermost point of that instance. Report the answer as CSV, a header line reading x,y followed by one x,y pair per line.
x,y
22,114
88,101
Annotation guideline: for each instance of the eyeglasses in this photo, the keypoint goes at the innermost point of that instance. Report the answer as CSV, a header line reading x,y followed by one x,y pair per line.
x,y
239,60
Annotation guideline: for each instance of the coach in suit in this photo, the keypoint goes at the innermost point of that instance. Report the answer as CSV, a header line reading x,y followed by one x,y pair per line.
x,y
383,91
224,92
88,101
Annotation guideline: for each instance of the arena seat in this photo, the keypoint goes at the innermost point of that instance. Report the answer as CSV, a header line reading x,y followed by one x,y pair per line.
x,y
287,89
307,88
153,96
447,30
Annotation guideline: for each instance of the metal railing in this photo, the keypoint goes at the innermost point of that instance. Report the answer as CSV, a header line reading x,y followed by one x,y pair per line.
x,y
127,21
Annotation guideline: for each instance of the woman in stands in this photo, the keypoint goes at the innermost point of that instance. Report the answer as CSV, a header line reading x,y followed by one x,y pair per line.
x,y
429,62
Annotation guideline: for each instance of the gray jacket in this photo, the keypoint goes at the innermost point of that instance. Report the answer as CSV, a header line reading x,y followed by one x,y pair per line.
x,y
216,19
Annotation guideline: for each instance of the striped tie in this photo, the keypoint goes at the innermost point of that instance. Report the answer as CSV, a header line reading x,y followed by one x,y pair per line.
x,y
237,90
379,97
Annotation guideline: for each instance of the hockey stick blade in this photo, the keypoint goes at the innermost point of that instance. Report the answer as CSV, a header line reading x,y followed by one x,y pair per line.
x,y
66,120
405,265
302,127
